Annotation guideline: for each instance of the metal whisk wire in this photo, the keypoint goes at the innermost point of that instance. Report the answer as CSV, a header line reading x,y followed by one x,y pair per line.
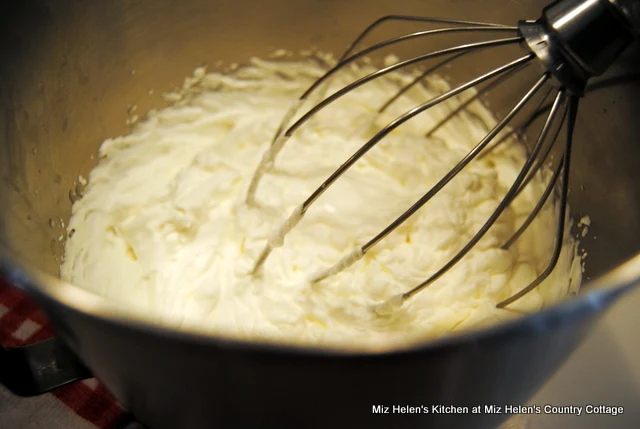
x,y
509,197
281,136
276,239
565,164
357,253
567,67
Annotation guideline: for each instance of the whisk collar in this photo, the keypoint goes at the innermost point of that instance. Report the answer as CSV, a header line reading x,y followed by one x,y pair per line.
x,y
578,39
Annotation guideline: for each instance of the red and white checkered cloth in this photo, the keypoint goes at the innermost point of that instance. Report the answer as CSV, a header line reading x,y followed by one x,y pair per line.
x,y
85,404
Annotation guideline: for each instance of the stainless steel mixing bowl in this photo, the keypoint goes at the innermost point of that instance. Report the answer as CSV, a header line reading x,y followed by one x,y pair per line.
x,y
70,69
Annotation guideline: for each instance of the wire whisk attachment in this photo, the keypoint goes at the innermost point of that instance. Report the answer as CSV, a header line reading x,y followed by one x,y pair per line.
x,y
556,41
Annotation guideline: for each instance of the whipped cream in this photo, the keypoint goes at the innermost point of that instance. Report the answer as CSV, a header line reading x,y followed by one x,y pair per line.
x,y
164,228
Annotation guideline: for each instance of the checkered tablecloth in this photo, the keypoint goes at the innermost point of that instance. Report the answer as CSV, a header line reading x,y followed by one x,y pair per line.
x,y
86,404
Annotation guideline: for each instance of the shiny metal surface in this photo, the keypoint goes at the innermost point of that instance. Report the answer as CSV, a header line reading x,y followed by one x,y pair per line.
x,y
592,32
631,9
573,39
584,379
70,69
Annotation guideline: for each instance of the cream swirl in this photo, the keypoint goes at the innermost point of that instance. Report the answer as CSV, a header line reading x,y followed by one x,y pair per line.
x,y
163,225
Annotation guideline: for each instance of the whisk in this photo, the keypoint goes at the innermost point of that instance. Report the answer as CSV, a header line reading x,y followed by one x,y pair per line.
x,y
573,40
